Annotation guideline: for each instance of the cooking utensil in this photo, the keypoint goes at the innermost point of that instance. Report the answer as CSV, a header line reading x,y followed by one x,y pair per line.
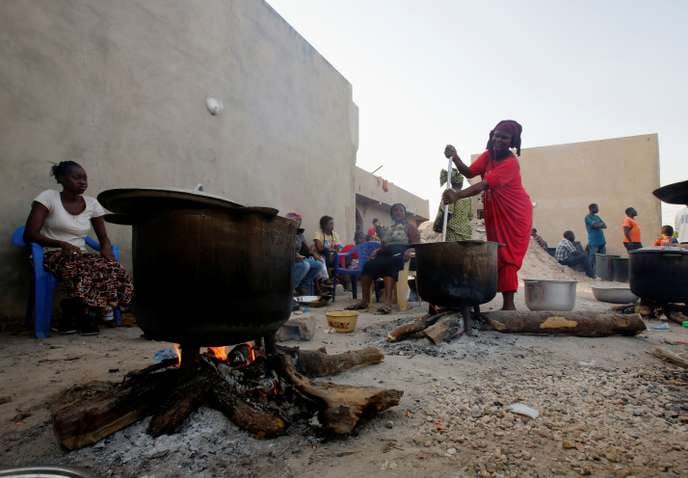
x,y
307,299
455,274
446,206
207,272
660,274
44,472
550,294
614,295
676,193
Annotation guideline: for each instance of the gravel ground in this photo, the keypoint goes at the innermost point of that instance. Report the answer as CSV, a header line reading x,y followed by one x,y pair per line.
x,y
606,408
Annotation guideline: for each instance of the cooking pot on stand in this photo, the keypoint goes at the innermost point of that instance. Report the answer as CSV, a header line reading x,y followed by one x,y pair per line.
x,y
457,275
660,274
206,272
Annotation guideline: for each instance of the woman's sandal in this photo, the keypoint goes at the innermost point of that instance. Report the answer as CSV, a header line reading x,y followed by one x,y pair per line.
x,y
358,306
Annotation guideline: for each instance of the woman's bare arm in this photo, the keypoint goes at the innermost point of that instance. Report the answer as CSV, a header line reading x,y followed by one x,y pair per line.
x,y
451,196
98,224
450,152
34,224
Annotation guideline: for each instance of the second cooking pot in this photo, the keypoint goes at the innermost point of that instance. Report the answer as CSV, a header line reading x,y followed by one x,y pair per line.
x,y
456,274
660,274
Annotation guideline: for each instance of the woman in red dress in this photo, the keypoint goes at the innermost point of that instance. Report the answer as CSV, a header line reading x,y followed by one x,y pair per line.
x,y
508,210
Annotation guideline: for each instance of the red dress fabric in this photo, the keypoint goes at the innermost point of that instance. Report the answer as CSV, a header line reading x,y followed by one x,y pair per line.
x,y
347,248
508,213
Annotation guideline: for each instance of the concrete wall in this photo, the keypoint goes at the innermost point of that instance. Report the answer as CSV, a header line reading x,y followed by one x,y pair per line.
x,y
372,201
615,173
120,86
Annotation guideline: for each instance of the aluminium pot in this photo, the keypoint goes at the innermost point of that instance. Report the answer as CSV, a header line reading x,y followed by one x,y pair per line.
x,y
550,294
660,274
206,273
456,274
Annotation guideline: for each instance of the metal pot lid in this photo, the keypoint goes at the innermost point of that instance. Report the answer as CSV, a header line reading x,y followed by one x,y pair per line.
x,y
145,200
661,250
676,193
127,203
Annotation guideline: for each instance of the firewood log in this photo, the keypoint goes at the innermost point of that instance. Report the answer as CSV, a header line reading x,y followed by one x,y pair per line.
x,y
418,325
670,357
581,324
444,329
178,406
85,414
341,406
314,363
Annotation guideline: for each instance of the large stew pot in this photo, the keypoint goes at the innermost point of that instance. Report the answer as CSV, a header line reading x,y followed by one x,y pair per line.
x,y
206,273
456,274
660,274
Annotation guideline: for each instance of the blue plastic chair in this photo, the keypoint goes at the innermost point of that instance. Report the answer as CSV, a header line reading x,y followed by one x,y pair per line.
x,y
364,250
39,307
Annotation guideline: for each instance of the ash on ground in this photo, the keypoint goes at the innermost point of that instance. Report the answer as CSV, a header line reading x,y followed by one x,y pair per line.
x,y
207,445
481,344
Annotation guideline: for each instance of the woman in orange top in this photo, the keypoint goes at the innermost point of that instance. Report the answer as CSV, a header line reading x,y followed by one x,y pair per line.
x,y
667,238
631,231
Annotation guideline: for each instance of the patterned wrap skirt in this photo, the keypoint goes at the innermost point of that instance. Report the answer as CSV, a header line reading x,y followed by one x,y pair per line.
x,y
95,280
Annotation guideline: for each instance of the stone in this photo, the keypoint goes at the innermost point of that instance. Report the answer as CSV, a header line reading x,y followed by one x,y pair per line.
x,y
389,424
568,445
298,329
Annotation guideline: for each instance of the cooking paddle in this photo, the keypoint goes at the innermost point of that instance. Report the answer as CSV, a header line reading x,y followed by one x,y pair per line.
x,y
446,206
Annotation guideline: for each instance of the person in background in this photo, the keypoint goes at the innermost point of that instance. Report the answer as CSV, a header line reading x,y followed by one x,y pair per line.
x,y
541,242
508,210
60,222
459,212
326,244
631,230
372,231
667,238
388,260
681,224
306,268
567,254
595,226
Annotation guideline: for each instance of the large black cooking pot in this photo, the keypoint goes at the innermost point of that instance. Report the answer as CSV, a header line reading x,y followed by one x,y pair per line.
x,y
660,274
207,272
456,274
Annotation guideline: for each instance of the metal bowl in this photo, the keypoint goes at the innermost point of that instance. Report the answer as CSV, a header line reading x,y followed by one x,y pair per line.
x,y
550,294
614,295
44,472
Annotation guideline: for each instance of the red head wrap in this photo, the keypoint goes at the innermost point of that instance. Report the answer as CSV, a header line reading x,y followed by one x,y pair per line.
x,y
512,127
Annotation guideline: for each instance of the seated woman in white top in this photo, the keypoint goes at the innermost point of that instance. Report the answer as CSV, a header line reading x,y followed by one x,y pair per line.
x,y
60,222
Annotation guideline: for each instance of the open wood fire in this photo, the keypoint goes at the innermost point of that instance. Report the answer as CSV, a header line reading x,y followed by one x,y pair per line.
x,y
262,393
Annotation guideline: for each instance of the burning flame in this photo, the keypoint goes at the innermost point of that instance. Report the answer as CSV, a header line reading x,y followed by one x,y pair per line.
x,y
218,353
178,351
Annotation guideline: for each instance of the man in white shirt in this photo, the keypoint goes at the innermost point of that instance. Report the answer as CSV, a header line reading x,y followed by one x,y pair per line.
x,y
682,225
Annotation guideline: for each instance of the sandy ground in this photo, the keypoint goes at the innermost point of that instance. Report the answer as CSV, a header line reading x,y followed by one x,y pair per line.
x,y
607,408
